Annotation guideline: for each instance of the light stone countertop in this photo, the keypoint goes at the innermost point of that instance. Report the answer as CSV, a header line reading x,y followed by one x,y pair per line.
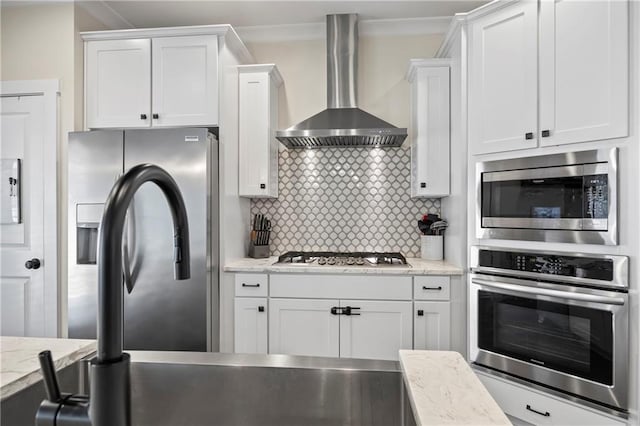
x,y
19,365
416,266
443,390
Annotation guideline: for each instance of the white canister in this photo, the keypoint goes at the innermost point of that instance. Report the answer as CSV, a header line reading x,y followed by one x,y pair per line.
x,y
432,247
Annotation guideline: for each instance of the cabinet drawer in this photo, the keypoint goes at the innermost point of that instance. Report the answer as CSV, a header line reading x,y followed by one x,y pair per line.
x,y
542,409
252,285
362,287
431,288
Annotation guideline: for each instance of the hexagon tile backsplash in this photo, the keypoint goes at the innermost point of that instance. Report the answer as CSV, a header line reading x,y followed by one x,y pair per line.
x,y
345,199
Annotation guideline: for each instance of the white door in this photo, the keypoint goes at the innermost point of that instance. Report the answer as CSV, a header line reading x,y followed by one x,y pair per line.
x,y
503,80
118,83
377,331
24,305
250,325
185,81
303,327
432,325
584,55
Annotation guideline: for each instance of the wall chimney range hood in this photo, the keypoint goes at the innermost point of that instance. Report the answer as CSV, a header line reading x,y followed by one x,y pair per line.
x,y
342,124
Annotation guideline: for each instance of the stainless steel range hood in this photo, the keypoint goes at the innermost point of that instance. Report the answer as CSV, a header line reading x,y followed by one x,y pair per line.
x,y
342,124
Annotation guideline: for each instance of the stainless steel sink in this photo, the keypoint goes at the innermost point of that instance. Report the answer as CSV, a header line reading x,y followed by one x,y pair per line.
x,y
179,388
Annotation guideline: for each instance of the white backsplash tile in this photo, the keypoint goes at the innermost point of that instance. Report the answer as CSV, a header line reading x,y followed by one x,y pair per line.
x,y
345,199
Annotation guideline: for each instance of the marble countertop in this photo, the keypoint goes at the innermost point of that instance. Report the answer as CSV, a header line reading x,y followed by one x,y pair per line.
x,y
443,390
19,365
416,266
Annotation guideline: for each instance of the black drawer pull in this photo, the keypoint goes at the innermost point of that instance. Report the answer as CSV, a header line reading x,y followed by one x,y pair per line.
x,y
545,414
143,116
260,308
250,285
432,288
263,186
546,133
420,312
528,136
423,184
155,116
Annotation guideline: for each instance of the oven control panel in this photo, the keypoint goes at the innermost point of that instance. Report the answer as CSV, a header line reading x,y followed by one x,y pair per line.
x,y
601,269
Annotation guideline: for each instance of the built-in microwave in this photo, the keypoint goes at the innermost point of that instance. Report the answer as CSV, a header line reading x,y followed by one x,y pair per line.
x,y
569,197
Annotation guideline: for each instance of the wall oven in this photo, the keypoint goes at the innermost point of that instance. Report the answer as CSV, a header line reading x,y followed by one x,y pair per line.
x,y
570,197
556,319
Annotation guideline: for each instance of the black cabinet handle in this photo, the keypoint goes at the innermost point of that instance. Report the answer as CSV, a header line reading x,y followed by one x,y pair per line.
x,y
545,414
250,285
260,308
348,310
423,184
32,264
155,116
263,186
420,313
528,135
143,116
432,288
546,133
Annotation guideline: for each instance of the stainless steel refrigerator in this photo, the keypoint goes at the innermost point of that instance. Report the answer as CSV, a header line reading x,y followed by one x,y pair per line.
x,y
160,313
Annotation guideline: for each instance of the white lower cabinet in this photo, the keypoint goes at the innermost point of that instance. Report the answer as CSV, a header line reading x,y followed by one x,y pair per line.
x,y
303,327
432,325
377,331
308,314
541,409
250,333
374,330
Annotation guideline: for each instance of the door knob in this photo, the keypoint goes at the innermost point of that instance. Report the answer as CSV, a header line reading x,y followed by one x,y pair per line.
x,y
32,264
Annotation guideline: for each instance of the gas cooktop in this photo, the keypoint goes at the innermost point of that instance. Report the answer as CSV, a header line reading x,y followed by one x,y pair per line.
x,y
330,258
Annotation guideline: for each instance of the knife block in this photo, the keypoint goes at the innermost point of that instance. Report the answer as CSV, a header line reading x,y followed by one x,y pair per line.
x,y
258,252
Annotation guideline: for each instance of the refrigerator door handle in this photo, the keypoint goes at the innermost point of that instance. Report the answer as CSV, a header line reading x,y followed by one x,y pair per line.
x,y
129,235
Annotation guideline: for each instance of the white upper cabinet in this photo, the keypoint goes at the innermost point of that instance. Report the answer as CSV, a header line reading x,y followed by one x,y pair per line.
x,y
548,73
503,80
429,127
258,122
152,82
583,71
118,83
185,81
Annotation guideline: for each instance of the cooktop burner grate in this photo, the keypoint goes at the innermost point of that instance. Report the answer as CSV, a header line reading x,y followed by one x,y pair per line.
x,y
330,258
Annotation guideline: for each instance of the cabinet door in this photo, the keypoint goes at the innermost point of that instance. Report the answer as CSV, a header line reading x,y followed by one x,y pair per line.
x,y
185,81
250,325
254,134
430,128
378,331
432,325
303,327
503,80
584,52
118,83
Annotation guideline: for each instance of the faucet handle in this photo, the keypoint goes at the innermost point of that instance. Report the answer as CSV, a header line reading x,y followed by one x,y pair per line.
x,y
49,376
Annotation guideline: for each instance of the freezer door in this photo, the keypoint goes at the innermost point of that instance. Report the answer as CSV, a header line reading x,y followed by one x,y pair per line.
x,y
95,162
161,313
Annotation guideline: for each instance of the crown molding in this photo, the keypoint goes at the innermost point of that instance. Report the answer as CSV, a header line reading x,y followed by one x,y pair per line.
x,y
366,28
105,14
415,64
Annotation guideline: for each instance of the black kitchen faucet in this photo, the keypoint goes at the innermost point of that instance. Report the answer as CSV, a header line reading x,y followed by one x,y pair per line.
x,y
110,401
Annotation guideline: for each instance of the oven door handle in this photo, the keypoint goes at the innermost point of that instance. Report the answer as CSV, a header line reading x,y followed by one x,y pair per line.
x,y
553,293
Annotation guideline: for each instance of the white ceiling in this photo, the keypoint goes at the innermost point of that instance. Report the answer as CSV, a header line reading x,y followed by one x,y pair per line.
x,y
241,13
